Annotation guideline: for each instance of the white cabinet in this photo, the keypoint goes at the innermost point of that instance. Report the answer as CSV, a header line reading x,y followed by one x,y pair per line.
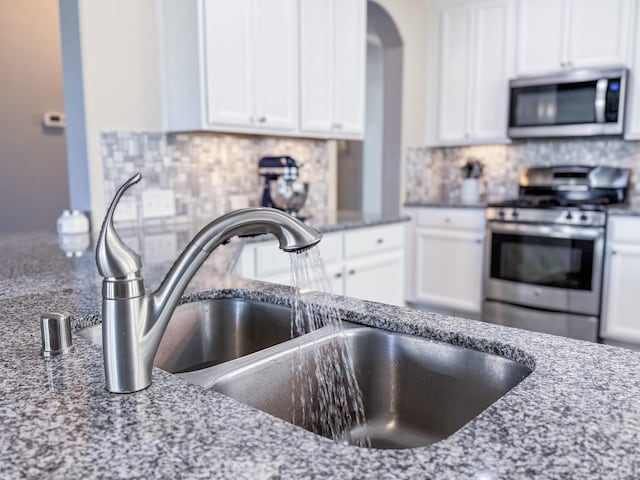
x,y
632,124
365,263
473,64
379,278
446,259
558,34
621,302
239,66
332,67
230,66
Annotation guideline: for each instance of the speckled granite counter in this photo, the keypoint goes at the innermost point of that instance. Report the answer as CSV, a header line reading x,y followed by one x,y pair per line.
x,y
446,204
624,210
576,416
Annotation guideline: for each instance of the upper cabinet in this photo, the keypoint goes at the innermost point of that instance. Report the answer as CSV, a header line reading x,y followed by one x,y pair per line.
x,y
563,34
235,66
632,127
332,61
470,66
250,63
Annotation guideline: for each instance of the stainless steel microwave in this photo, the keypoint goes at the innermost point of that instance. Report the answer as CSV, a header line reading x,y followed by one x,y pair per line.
x,y
572,104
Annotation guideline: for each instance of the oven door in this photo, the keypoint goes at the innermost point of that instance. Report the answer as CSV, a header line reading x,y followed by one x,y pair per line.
x,y
552,267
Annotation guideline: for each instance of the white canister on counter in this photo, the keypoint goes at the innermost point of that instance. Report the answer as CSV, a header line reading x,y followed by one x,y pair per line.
x,y
470,190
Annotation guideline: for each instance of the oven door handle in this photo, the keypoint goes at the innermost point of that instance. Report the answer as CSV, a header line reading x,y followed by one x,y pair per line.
x,y
556,231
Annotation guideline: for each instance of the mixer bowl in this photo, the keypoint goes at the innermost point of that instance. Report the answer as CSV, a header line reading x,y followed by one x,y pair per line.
x,y
289,196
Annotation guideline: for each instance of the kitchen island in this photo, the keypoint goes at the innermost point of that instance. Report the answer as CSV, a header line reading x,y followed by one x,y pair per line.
x,y
577,415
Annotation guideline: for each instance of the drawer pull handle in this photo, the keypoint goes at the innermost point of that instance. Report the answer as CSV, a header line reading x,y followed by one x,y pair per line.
x,y
380,241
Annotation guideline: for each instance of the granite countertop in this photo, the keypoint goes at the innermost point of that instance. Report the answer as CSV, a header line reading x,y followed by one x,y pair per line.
x,y
624,210
577,415
447,204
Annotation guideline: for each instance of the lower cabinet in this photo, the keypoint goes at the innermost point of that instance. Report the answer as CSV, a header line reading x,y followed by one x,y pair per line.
x,y
378,278
445,259
365,263
620,300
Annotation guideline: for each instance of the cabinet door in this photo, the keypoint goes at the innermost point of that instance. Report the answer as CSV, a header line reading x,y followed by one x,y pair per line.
x,y
335,278
632,123
490,83
228,62
542,28
455,73
275,63
449,268
316,65
349,49
598,32
379,278
620,320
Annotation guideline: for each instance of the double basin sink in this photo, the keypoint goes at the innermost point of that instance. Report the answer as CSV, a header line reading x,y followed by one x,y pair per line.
x,y
415,391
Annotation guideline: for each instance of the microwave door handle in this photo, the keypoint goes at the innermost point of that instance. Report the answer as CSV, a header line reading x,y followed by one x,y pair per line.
x,y
601,97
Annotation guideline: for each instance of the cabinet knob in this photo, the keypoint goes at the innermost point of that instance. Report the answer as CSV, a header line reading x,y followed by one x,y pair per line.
x,y
352,272
262,119
337,126
447,220
338,275
614,252
478,240
380,241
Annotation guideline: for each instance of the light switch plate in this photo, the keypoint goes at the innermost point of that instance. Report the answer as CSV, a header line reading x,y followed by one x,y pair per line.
x,y
158,203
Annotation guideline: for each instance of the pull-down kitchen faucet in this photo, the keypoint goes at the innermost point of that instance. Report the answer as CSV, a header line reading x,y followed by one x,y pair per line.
x,y
133,321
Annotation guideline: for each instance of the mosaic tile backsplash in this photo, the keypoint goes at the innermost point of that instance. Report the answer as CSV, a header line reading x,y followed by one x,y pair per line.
x,y
434,175
207,174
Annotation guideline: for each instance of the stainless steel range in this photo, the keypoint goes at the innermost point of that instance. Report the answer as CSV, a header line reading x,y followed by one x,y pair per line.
x,y
545,250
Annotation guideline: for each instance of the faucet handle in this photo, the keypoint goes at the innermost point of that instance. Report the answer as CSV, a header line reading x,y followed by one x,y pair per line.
x,y
114,259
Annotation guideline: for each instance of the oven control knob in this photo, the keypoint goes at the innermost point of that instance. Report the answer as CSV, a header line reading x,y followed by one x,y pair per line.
x,y
583,218
501,214
569,216
515,214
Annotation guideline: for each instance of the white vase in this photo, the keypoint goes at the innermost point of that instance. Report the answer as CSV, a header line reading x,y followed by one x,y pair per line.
x,y
470,191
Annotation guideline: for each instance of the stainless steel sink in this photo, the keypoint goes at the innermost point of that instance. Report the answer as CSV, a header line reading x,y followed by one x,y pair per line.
x,y
210,332
415,391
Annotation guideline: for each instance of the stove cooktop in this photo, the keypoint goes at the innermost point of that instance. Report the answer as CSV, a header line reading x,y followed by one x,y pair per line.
x,y
547,202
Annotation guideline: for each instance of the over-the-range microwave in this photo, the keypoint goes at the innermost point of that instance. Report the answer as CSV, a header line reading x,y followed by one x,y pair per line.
x,y
577,103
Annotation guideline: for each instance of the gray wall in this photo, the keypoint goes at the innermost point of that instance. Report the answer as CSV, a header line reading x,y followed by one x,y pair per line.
x,y
33,169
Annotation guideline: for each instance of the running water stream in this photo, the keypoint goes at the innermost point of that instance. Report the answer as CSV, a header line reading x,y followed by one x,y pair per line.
x,y
326,395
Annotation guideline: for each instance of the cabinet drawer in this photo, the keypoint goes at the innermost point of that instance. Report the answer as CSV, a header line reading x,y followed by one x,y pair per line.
x,y
372,240
458,218
624,229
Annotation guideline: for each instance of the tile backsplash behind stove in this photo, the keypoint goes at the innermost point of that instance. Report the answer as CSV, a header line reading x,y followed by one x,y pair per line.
x,y
433,174
205,174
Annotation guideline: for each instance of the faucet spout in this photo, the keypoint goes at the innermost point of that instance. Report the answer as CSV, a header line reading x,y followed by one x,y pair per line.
x,y
133,323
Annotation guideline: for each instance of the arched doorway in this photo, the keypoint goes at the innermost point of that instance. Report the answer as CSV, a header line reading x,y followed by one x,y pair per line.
x,y
369,171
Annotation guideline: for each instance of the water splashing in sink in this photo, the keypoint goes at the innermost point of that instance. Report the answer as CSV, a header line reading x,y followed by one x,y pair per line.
x,y
335,409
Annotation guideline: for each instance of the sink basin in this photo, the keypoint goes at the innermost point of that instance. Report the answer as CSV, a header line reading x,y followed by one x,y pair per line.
x,y
415,391
210,332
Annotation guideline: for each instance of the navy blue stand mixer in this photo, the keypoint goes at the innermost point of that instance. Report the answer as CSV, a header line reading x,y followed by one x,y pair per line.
x,y
282,189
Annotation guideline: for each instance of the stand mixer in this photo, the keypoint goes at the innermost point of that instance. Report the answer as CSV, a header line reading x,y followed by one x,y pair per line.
x,y
282,190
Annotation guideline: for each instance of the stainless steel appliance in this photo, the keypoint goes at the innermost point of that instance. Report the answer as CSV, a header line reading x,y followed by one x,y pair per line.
x,y
282,189
544,255
577,103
